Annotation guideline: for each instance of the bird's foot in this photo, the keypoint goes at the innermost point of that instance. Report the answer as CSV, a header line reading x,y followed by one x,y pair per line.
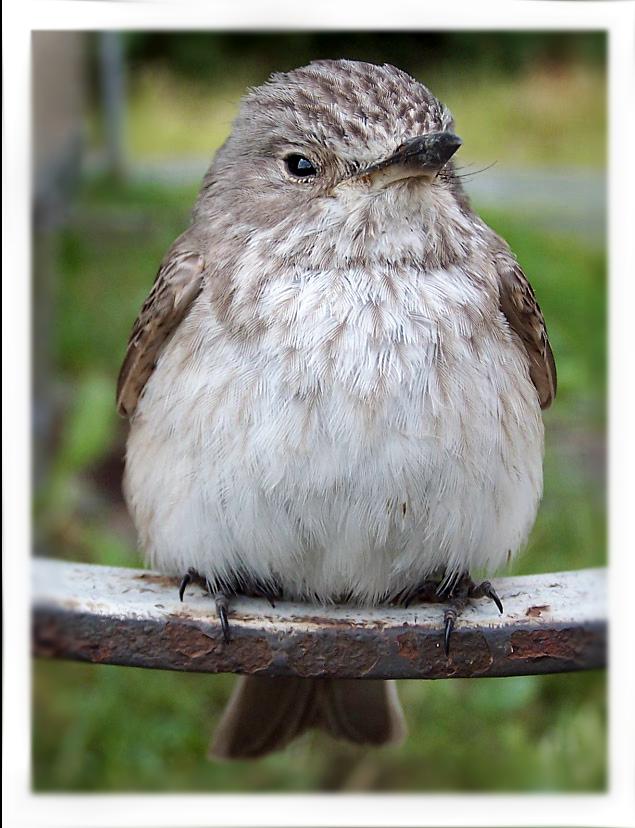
x,y
221,599
457,598
269,590
222,609
456,595
427,592
191,576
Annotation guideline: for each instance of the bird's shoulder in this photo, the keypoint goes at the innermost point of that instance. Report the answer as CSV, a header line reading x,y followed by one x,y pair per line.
x,y
518,303
178,282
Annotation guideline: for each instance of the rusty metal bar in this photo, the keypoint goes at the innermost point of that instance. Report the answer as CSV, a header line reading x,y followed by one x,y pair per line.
x,y
553,623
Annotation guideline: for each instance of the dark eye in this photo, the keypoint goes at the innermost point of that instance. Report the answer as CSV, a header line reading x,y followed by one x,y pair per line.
x,y
299,166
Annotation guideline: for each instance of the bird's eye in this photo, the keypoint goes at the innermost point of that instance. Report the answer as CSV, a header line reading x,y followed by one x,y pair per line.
x,y
299,166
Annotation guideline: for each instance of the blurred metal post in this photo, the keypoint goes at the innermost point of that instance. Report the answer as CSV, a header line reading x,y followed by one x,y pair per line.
x,y
58,110
111,63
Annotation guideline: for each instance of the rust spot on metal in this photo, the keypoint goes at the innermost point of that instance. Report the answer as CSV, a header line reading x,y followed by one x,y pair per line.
x,y
409,646
469,654
536,612
567,644
313,655
248,654
191,642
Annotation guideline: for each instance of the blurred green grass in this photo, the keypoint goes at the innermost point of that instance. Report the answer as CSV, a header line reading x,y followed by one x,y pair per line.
x,y
105,729
101,728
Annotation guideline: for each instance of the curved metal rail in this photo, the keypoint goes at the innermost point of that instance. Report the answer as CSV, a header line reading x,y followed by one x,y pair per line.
x,y
553,623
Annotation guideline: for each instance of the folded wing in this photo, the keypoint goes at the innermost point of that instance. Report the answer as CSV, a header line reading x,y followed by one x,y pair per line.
x,y
518,303
177,284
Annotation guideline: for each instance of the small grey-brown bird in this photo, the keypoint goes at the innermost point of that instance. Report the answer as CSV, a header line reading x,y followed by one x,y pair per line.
x,y
334,386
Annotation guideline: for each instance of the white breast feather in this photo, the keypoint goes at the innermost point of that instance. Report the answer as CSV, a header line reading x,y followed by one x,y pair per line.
x,y
364,431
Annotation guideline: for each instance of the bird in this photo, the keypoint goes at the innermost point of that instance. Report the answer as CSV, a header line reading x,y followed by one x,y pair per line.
x,y
335,386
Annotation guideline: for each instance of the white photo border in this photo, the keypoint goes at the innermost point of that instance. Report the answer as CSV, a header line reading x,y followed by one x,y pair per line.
x,y
21,807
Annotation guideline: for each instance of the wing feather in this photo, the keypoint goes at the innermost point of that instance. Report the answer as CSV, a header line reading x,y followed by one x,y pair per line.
x,y
518,303
177,284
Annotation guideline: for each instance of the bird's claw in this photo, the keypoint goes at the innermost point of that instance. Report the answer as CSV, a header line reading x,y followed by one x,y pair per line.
x,y
486,590
184,583
449,618
186,580
222,608
459,596
221,600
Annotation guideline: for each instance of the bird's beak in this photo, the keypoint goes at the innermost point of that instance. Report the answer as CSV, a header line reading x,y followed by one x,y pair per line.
x,y
424,155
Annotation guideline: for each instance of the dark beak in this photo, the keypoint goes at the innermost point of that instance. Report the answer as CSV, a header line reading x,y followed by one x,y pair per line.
x,y
423,155
428,152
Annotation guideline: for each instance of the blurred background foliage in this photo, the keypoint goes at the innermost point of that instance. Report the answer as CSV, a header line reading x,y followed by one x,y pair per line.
x,y
534,102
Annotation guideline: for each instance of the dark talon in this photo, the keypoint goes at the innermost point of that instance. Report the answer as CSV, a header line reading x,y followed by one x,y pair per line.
x,y
455,591
187,578
221,609
222,605
271,594
486,590
450,618
190,575
220,599
491,593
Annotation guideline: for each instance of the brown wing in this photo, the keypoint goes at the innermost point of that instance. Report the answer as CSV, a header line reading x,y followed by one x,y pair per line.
x,y
519,305
177,284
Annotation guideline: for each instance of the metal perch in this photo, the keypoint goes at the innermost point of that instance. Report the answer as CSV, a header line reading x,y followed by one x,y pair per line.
x,y
555,622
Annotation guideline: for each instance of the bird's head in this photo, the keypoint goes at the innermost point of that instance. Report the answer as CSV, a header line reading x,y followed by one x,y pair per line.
x,y
339,147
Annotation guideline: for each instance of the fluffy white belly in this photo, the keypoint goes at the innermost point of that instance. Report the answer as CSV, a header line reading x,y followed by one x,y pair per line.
x,y
343,463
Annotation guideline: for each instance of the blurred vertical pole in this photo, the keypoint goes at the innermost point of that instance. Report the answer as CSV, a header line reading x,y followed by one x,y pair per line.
x,y
111,69
58,104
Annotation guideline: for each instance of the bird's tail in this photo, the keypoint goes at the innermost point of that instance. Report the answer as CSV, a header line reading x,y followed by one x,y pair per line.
x,y
265,714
